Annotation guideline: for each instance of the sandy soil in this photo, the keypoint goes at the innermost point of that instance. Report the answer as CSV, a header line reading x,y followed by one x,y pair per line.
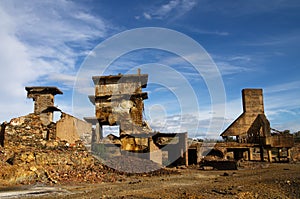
x,y
255,180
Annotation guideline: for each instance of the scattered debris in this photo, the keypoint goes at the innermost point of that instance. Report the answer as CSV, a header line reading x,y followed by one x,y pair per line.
x,y
29,156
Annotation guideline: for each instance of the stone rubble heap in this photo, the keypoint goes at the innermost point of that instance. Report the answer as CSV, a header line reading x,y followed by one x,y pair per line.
x,y
31,154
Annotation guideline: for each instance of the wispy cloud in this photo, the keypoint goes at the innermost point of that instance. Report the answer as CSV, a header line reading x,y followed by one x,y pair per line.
x,y
287,86
276,39
234,64
174,8
147,15
242,8
41,42
207,32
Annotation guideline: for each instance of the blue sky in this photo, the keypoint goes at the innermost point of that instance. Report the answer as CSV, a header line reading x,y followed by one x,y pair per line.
x,y
254,44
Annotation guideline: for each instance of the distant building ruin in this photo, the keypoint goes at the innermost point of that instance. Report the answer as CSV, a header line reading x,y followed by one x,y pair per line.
x,y
252,124
253,128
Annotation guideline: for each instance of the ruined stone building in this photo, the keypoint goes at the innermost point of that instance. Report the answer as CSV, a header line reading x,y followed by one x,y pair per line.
x,y
249,137
119,102
252,125
68,128
253,128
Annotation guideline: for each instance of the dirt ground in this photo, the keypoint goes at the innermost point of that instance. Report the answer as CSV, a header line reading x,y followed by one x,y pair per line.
x,y
255,180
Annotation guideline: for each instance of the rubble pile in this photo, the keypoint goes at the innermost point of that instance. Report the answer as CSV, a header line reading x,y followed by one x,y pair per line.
x,y
31,154
131,164
218,163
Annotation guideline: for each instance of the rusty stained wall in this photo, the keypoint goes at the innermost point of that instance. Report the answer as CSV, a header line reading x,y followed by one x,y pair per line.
x,y
134,144
118,88
119,101
281,141
155,154
72,129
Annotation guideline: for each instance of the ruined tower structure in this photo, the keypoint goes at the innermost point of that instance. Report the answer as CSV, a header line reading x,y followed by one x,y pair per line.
x,y
43,98
252,128
119,101
252,124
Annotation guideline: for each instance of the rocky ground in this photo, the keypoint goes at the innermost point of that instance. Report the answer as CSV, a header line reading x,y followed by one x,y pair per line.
x,y
32,155
255,180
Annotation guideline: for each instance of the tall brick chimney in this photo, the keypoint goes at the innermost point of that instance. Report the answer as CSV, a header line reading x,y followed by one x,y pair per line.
x,y
253,101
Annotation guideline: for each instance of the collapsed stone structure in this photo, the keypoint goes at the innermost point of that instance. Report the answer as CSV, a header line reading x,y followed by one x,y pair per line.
x,y
249,137
34,149
253,128
68,128
252,125
118,101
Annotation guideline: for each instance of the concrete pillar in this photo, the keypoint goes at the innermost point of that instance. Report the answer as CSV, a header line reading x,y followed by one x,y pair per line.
x,y
278,154
98,132
246,155
186,155
183,138
2,133
155,154
261,154
288,154
269,155
250,154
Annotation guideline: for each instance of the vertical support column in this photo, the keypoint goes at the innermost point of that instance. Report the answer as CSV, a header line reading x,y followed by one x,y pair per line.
x,y
250,154
98,132
183,147
2,133
278,153
199,154
269,155
186,155
155,154
246,155
288,154
261,153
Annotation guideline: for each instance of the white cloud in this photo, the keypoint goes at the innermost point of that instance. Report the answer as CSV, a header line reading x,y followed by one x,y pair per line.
x,y
294,85
147,15
228,68
41,42
208,32
174,8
